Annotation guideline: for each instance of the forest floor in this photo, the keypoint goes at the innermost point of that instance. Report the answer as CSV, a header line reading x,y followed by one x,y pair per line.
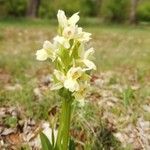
x,y
116,114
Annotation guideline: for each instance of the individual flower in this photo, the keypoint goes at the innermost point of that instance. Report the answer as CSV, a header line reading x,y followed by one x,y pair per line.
x,y
82,36
69,28
69,81
64,22
48,51
75,32
75,72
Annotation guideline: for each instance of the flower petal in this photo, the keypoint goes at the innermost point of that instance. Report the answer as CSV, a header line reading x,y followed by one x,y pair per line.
x,y
90,65
62,19
72,85
78,96
61,40
75,72
48,45
81,50
56,86
69,32
86,37
88,53
74,19
51,50
59,75
41,55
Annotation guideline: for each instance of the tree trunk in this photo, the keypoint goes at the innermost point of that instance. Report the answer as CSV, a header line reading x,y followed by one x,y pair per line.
x,y
133,17
33,7
98,6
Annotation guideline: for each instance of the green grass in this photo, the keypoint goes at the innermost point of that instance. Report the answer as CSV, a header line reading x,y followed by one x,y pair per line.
x,y
123,50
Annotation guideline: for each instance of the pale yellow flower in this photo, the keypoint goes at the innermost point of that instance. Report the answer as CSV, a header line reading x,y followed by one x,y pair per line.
x,y
69,28
64,22
71,82
41,55
82,36
74,72
48,51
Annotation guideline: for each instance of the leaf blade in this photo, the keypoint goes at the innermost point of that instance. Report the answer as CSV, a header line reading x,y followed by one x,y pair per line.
x,y
46,145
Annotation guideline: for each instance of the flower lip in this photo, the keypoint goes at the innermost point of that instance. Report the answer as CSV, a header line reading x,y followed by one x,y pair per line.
x,y
75,72
71,84
41,55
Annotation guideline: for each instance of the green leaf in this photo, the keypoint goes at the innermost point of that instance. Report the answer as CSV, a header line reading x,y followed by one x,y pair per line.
x,y
46,145
71,144
53,138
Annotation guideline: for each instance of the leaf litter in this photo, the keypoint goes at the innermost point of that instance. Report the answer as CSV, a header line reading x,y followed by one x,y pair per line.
x,y
17,130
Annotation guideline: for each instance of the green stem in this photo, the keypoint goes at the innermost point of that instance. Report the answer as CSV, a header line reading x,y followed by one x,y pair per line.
x,y
63,132
66,125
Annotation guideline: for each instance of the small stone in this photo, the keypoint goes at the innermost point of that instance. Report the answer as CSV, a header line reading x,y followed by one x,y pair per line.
x,y
8,131
38,93
13,87
146,108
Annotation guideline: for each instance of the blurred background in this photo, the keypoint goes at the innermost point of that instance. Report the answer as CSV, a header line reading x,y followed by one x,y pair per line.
x,y
116,114
132,11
